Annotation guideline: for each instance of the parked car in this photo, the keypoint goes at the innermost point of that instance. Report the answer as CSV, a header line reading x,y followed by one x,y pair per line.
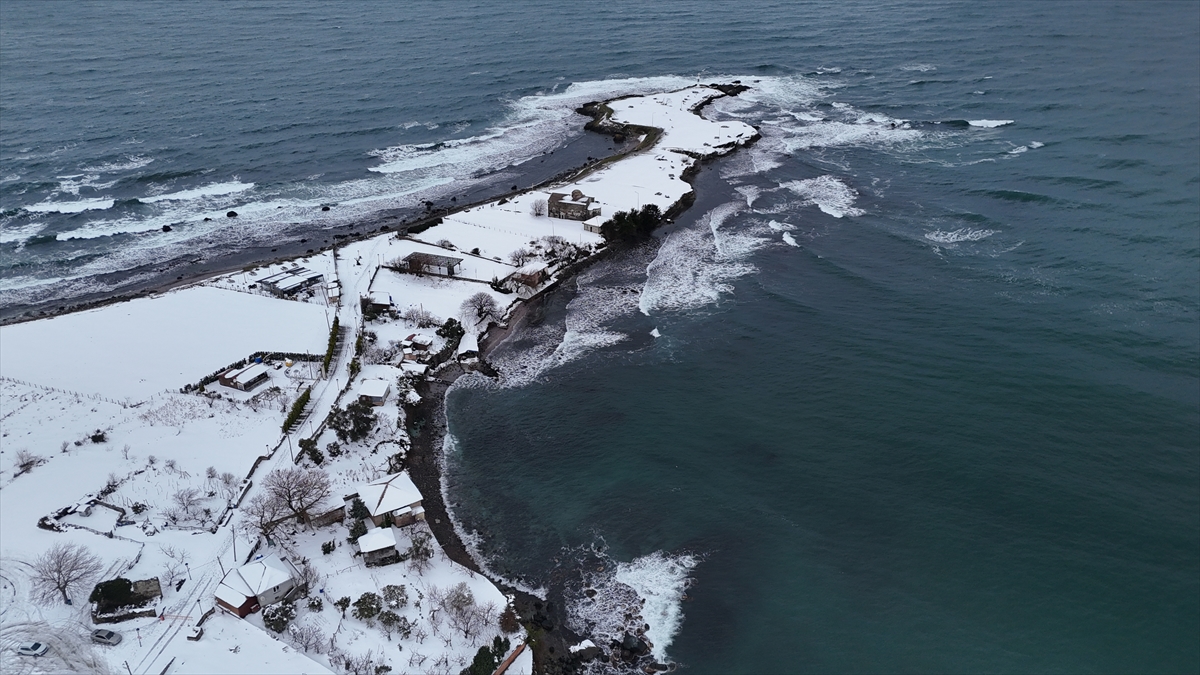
x,y
33,649
106,637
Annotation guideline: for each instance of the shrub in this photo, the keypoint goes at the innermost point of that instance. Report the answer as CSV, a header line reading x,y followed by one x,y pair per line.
x,y
315,604
395,596
354,422
99,437
358,509
334,450
367,607
631,225
508,620
278,616
327,547
342,603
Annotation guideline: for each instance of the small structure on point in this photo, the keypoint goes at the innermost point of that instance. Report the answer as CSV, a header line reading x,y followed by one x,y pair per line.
x,y
246,378
267,580
374,392
576,206
430,263
594,224
396,495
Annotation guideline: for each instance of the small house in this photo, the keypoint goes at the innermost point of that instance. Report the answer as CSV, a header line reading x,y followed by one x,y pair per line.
x,y
594,224
378,547
265,581
430,263
396,495
333,291
576,206
379,301
532,274
246,378
374,392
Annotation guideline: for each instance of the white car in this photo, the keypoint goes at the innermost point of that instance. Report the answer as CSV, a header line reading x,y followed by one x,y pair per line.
x,y
106,637
33,649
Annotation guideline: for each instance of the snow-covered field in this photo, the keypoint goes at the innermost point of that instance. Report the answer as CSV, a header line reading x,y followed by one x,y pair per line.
x,y
91,413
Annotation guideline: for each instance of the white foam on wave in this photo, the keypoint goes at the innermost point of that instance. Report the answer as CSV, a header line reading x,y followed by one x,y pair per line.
x,y
127,163
955,236
790,240
629,595
918,67
781,227
11,234
1035,145
212,190
989,124
750,192
77,206
694,265
827,193
1018,150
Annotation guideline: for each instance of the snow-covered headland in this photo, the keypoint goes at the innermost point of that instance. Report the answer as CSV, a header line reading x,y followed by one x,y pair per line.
x,y
125,434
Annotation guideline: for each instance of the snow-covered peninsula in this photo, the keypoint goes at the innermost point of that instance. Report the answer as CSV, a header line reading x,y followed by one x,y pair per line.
x,y
246,441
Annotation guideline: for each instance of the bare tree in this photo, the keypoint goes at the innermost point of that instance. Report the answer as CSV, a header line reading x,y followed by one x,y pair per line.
x,y
538,207
307,637
479,310
227,486
262,515
177,559
25,461
310,578
187,500
521,256
299,489
62,568
420,553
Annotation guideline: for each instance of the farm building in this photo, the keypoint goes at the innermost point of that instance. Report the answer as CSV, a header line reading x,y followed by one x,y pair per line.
x,y
594,224
246,378
379,301
290,281
253,586
576,206
430,263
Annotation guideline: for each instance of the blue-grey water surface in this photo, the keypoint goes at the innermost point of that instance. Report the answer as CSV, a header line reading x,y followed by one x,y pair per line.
x,y
956,428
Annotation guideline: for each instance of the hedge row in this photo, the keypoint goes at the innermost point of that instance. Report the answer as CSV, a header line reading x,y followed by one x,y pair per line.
x,y
333,337
297,409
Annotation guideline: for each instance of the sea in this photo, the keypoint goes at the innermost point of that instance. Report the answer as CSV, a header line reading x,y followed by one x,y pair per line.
x,y
914,386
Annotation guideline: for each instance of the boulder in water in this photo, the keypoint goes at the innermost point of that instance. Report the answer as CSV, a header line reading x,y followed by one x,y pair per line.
x,y
166,228
231,214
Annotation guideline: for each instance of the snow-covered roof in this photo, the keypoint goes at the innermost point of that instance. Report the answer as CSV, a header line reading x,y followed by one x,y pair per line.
x,y
389,493
266,573
411,367
377,539
249,373
374,388
380,298
532,268
232,590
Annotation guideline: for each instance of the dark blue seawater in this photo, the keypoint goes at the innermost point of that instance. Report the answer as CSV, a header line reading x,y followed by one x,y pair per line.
x,y
954,428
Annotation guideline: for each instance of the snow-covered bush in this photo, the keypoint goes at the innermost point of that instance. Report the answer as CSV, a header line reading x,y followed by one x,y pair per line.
x,y
367,607
278,616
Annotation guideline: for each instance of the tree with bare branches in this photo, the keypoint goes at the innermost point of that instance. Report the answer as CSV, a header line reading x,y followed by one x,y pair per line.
x,y
538,207
480,310
62,568
262,515
298,489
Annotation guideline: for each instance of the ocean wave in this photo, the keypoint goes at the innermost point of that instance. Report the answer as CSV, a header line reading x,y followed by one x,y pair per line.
x,y
127,163
790,240
955,236
694,265
77,206
989,124
624,597
212,190
827,193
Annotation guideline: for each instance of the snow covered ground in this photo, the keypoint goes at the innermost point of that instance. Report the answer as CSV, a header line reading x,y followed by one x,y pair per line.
x,y
91,412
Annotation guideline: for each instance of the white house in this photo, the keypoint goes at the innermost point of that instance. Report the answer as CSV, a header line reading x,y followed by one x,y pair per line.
x,y
378,546
395,494
374,391
264,581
